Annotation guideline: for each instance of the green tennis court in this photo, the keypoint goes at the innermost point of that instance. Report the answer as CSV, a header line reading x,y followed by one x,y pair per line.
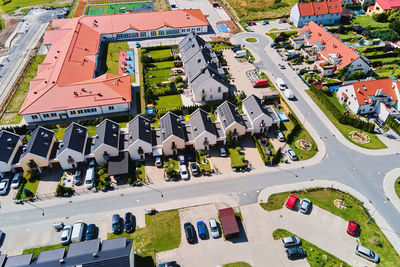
x,y
95,11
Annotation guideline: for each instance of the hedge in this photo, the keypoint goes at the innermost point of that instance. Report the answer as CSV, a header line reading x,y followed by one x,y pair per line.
x,y
169,92
357,123
395,125
260,150
296,129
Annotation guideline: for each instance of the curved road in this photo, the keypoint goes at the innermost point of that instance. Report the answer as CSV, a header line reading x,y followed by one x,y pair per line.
x,y
341,163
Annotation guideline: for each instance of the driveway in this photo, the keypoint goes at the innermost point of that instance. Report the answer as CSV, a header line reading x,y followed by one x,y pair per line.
x,y
153,173
49,180
218,163
251,153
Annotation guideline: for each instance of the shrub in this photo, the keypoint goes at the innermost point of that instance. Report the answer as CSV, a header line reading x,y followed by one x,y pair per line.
x,y
325,89
356,75
238,149
277,157
180,85
178,79
381,17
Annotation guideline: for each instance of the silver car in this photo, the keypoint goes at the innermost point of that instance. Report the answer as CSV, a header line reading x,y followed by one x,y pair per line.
x,y
291,241
366,253
280,136
305,205
4,184
292,154
214,228
66,235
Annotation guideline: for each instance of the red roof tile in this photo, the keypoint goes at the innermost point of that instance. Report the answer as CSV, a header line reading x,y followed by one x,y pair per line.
x,y
388,4
364,89
320,8
65,78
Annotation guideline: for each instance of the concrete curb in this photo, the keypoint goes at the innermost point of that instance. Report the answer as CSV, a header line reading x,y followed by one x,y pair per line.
x,y
380,221
388,187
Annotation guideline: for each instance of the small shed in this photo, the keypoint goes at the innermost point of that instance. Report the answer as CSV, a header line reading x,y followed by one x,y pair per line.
x,y
229,223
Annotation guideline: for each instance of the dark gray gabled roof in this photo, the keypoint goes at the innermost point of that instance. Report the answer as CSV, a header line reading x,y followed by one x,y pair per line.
x,y
206,75
229,115
2,259
170,124
255,108
50,258
8,144
190,45
107,133
139,129
201,122
19,261
40,142
74,138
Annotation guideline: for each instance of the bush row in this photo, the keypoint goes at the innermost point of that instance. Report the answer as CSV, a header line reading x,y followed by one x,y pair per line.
x,y
395,125
357,123
296,129
260,150
168,92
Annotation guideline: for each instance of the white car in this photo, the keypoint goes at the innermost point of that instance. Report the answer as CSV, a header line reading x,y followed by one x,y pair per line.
x,y
184,172
366,253
77,231
15,180
214,228
280,136
292,154
89,180
4,183
66,235
291,241
305,205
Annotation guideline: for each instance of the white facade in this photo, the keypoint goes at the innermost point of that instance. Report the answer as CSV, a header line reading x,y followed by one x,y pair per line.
x,y
359,64
211,90
172,141
6,166
135,146
41,162
205,137
299,21
103,150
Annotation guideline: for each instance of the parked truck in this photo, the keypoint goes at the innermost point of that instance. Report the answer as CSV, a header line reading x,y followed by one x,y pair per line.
x,y
241,53
288,93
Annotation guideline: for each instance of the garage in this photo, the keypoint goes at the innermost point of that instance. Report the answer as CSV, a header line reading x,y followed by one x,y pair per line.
x,y
229,223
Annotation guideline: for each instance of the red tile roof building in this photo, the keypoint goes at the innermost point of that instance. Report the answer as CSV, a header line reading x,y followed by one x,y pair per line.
x,y
371,96
325,12
69,83
383,5
332,50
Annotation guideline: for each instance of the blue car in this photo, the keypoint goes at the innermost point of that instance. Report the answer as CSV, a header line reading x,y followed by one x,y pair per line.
x,y
202,229
91,232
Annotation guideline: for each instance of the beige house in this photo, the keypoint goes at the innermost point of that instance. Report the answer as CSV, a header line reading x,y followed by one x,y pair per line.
x,y
172,134
230,119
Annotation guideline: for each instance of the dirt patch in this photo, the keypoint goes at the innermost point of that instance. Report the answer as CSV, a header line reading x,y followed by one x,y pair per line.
x,y
80,8
303,144
11,24
359,137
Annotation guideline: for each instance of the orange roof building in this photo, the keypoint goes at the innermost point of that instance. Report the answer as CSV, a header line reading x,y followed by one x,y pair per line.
x,y
70,82
371,96
333,50
325,13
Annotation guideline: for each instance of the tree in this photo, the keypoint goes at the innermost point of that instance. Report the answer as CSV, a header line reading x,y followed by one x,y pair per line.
x,y
356,75
229,138
395,25
325,89
178,79
277,157
171,172
381,17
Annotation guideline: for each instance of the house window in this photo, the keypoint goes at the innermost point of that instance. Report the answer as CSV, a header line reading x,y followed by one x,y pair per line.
x,y
198,29
211,96
160,32
71,113
34,117
219,89
119,35
153,33
183,30
111,108
370,109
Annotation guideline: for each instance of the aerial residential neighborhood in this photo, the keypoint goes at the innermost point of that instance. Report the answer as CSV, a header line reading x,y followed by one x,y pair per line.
x,y
199,133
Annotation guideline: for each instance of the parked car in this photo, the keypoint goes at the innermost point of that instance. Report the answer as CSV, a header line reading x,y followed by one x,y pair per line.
x,y
4,184
292,154
222,151
279,21
214,228
265,22
89,178
116,224
168,264
281,66
305,205
158,162
137,45
291,201
291,241
181,159
190,233
78,177
90,232
273,45
184,172
129,222
352,228
202,229
194,168
15,180
66,235
78,231
236,48
280,136
366,253
295,253
92,164
283,20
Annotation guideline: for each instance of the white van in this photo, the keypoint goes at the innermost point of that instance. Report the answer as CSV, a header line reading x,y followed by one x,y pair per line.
x,y
89,178
281,84
241,53
77,231
288,93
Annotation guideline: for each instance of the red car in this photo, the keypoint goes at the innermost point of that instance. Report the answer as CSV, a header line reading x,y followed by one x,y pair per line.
x,y
352,228
291,201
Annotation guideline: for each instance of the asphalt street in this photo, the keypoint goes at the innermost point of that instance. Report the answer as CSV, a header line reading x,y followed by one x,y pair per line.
x,y
361,171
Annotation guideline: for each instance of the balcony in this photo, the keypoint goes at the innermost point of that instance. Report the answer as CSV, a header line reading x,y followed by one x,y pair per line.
x,y
70,160
106,157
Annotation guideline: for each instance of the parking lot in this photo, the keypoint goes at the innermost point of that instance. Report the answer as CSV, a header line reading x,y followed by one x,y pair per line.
x,y
257,246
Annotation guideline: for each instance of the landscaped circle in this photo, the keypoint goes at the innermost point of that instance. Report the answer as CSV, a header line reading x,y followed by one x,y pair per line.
x,y
303,144
251,40
340,204
359,137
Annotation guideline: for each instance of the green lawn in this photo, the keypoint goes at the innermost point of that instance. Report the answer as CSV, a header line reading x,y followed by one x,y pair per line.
x,y
371,236
204,166
237,264
31,186
397,187
59,132
349,36
251,40
113,52
236,160
387,70
375,142
7,6
142,172
161,65
11,116
158,76
37,250
162,232
367,22
162,53
168,101
316,257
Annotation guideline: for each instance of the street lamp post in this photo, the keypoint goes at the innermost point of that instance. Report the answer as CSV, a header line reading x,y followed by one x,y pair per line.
x,y
42,210
154,189
372,214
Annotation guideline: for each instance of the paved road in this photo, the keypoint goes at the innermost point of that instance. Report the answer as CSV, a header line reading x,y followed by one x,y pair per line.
x,y
341,163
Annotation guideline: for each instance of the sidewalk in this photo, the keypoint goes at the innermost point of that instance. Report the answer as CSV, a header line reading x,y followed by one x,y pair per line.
x,y
388,187
380,221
